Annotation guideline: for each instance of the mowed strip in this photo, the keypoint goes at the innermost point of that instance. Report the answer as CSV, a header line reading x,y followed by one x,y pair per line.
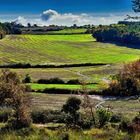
x,y
61,86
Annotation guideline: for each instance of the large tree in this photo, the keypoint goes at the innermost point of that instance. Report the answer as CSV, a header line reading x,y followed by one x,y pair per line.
x,y
136,5
13,95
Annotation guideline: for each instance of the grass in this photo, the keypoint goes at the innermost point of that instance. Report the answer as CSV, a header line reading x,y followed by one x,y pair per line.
x,y
61,86
68,31
128,108
36,133
48,101
62,49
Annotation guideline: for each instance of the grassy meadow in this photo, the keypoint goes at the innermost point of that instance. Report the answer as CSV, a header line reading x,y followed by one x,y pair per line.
x,y
61,86
68,49
62,49
65,49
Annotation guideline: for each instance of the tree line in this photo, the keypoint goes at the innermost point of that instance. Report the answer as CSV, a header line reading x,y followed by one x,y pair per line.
x,y
128,33
9,28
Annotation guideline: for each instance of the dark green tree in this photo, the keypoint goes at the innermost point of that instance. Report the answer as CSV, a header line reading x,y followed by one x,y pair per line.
x,y
71,108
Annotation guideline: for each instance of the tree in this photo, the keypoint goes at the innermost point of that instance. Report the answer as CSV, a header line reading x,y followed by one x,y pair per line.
x,y
87,104
136,8
71,109
104,116
136,5
127,82
29,25
27,79
13,95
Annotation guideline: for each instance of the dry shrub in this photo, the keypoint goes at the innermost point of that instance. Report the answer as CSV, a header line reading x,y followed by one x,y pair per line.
x,y
127,82
13,96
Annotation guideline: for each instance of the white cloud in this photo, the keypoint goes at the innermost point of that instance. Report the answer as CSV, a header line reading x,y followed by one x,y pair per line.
x,y
22,20
53,17
49,14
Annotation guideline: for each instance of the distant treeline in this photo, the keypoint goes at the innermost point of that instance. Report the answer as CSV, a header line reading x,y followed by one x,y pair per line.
x,y
124,32
9,28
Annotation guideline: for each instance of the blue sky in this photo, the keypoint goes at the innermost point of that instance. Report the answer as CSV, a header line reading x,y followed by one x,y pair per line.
x,y
26,10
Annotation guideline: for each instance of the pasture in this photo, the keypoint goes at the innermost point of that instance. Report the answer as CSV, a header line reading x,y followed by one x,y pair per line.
x,y
62,49
67,49
61,86
127,107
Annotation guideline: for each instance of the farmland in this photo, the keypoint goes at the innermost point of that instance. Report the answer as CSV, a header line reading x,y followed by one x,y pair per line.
x,y
68,49
62,49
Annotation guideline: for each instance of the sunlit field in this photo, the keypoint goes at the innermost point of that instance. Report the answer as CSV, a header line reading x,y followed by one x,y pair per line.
x,y
62,49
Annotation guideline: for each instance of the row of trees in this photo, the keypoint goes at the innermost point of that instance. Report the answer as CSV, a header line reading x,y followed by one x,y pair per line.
x,y
9,28
123,34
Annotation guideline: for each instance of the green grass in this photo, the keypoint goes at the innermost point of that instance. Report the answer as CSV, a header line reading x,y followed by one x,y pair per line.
x,y
61,86
86,74
62,49
68,31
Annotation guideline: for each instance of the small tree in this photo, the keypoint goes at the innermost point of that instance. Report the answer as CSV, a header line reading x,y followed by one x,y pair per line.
x,y
87,104
13,95
103,116
71,109
27,79
127,82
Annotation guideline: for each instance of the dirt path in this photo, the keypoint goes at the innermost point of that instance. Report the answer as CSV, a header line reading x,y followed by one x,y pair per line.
x,y
85,77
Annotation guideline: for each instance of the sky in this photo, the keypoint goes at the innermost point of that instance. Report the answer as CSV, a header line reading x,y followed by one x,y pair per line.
x,y
64,12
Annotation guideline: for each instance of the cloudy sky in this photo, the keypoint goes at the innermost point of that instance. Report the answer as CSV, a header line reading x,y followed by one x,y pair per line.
x,y
64,12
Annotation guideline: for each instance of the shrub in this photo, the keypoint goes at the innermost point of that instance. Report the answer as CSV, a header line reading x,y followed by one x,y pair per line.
x,y
5,114
47,116
103,116
115,118
13,96
27,79
136,124
127,82
71,108
51,81
74,81
124,125
85,122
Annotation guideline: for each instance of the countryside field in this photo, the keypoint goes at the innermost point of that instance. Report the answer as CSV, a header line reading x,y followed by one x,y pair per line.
x,y
62,49
66,49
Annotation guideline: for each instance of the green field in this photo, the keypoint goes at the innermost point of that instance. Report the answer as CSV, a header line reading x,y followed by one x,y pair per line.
x,y
61,86
87,74
62,49
68,31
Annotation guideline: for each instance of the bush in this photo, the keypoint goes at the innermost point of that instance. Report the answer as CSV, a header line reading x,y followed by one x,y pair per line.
x,y
27,79
51,81
13,96
135,125
74,81
85,122
124,125
127,82
103,116
47,116
71,108
116,118
5,114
